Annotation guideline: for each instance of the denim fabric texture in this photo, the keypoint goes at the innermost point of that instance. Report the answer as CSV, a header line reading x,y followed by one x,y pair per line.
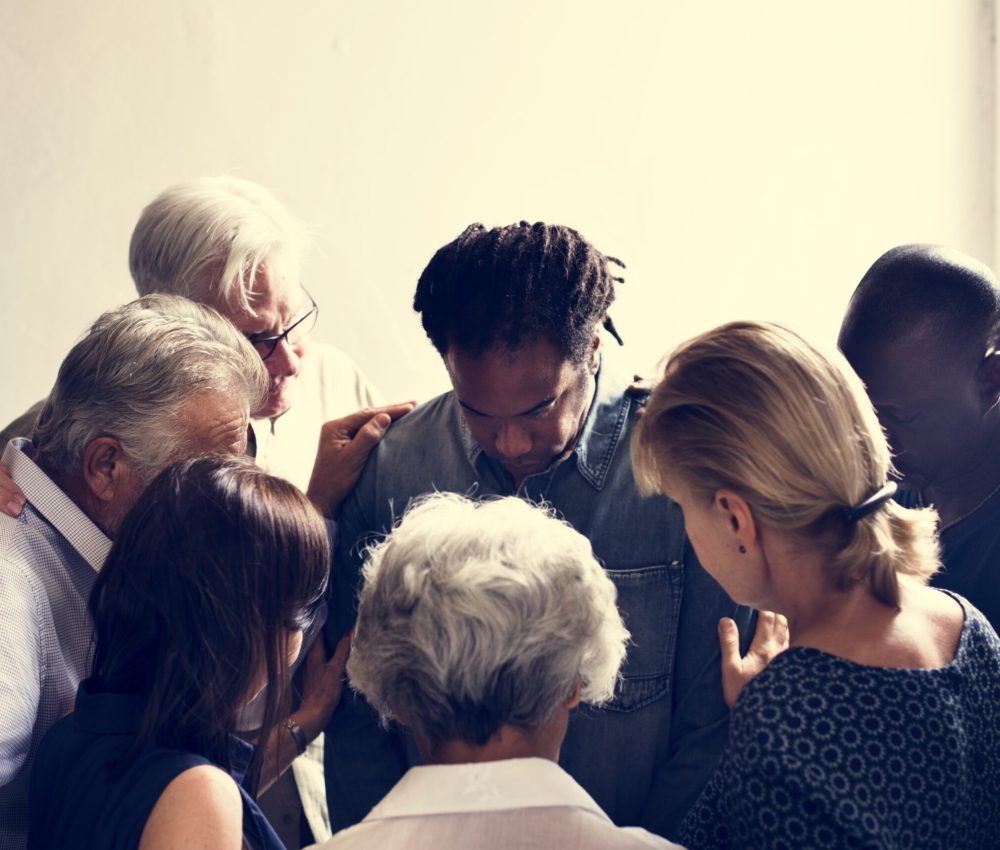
x,y
644,757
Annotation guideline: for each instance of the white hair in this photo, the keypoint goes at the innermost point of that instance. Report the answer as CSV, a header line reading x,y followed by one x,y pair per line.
x,y
133,370
474,615
210,238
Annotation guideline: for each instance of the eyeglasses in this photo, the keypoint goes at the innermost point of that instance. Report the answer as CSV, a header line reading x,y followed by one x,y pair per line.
x,y
293,335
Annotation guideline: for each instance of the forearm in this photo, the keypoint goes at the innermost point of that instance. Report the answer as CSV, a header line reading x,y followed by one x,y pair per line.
x,y
282,746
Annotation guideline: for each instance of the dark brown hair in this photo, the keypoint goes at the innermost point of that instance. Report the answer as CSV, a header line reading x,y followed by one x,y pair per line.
x,y
514,285
213,567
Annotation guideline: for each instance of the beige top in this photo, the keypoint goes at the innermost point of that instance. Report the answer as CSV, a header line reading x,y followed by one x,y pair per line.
x,y
515,804
329,385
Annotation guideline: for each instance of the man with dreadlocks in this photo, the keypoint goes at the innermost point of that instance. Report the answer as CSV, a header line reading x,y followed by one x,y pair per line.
x,y
537,410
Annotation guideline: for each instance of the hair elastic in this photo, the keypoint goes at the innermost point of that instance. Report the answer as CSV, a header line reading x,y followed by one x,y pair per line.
x,y
862,509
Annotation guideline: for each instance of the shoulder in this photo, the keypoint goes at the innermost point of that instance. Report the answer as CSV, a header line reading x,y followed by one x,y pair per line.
x,y
22,589
200,808
979,643
322,356
437,420
341,385
797,695
418,454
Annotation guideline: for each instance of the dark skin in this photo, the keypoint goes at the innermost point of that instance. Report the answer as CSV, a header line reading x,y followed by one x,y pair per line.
x,y
937,400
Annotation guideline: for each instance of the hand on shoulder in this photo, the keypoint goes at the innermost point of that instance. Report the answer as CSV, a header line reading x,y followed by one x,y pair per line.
x,y
769,639
344,446
11,496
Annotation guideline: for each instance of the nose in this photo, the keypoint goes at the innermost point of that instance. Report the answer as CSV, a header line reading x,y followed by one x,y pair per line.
x,y
512,441
283,362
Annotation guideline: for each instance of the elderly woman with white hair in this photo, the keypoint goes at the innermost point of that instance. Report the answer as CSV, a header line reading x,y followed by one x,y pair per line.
x,y
480,626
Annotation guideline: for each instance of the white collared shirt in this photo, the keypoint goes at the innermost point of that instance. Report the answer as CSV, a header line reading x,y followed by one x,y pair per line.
x,y
515,803
49,560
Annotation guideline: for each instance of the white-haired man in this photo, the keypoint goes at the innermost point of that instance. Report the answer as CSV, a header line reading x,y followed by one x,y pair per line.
x,y
481,625
229,243
156,380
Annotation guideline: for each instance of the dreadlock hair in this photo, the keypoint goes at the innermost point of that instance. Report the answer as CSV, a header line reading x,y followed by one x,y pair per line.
x,y
512,285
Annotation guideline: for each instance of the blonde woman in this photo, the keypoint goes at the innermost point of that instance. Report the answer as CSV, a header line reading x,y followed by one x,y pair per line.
x,y
880,726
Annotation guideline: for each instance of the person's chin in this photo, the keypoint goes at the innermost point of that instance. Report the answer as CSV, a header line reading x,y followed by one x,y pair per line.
x,y
277,403
523,470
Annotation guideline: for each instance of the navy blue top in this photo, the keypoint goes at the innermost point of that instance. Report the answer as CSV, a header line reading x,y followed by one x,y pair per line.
x,y
75,801
824,752
970,554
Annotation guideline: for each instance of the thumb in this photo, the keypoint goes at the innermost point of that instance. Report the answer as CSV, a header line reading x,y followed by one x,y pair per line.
x,y
729,644
338,661
373,430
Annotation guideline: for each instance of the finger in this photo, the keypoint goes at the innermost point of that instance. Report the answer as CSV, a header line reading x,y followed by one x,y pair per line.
x,y
315,658
729,644
14,506
340,653
369,435
395,411
763,634
781,631
348,425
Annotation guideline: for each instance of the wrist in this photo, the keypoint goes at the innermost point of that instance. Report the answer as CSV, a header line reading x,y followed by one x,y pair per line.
x,y
297,734
311,723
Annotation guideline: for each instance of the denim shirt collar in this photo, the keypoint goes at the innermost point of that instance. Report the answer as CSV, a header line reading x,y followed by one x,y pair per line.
x,y
602,430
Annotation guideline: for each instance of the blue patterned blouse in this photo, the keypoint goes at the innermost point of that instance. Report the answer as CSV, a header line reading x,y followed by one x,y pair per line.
x,y
827,753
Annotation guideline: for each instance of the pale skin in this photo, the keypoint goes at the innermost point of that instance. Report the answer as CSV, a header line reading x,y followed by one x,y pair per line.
x,y
344,443
780,572
322,686
107,483
344,446
105,488
201,807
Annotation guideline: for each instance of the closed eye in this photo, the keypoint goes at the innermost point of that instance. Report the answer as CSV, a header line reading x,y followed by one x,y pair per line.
x,y
541,412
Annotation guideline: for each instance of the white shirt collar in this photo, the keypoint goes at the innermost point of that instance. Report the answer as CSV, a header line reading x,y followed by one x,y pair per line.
x,y
483,787
53,504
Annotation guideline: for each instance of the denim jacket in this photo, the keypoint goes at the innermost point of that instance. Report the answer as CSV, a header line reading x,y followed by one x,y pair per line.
x,y
645,756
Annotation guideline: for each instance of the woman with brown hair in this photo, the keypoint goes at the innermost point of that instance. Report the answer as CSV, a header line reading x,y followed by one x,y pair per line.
x,y
201,606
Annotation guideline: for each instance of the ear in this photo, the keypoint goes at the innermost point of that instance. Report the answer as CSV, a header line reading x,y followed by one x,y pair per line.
x,y
988,379
738,517
105,467
573,700
594,360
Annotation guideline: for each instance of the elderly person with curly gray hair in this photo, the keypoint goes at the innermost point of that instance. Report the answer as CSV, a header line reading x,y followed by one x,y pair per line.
x,y
481,625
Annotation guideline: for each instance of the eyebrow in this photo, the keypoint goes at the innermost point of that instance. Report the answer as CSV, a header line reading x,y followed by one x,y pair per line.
x,y
545,402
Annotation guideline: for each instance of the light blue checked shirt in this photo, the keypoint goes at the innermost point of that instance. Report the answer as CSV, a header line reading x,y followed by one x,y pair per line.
x,y
49,559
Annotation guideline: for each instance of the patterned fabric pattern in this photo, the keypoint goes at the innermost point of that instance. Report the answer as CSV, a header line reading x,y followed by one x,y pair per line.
x,y
826,753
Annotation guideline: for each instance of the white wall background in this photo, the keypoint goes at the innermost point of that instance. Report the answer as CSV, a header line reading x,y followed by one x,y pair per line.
x,y
744,159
